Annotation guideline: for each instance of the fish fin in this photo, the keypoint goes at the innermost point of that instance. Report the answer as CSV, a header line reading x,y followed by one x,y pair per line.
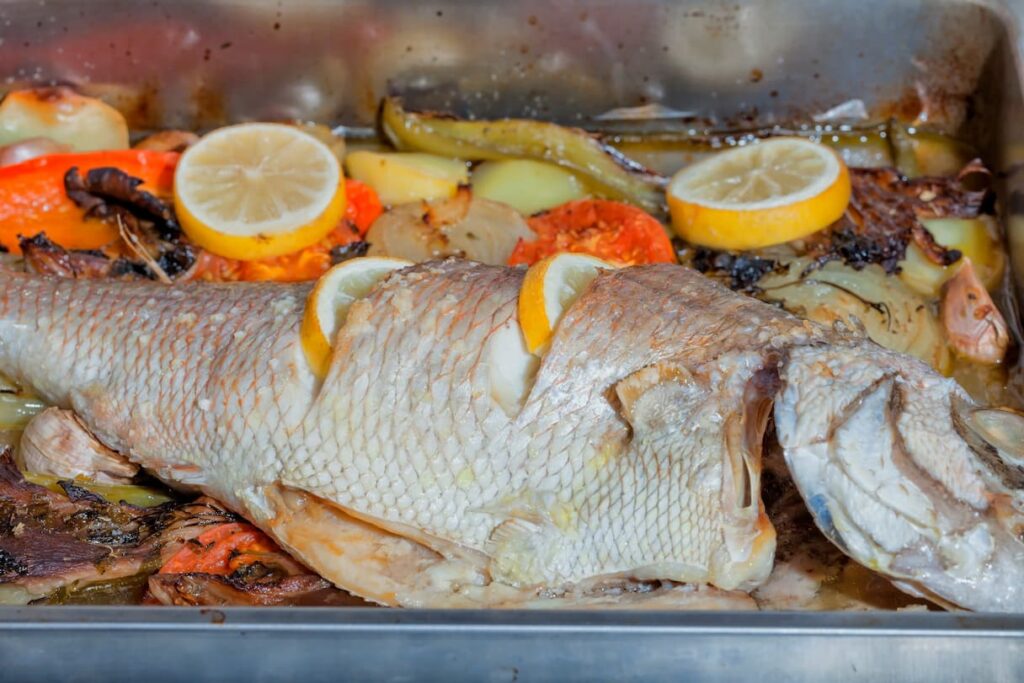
x,y
444,547
527,505
632,390
355,555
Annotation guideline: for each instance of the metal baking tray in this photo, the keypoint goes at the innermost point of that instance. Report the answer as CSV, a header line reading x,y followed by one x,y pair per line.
x,y
955,64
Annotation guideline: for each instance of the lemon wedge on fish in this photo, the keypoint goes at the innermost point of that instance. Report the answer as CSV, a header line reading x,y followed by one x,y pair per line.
x,y
328,304
258,190
549,288
766,193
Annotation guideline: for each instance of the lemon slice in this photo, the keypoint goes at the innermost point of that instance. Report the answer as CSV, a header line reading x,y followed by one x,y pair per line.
x,y
258,190
549,288
328,304
767,193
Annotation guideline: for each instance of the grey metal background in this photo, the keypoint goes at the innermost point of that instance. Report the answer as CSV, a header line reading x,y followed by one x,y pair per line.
x,y
742,62
204,62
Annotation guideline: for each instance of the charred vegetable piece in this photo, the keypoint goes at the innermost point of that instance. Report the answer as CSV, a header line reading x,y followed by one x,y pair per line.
x,y
464,226
220,550
974,326
109,192
891,314
64,116
198,589
44,257
613,231
743,271
58,542
885,216
33,197
975,238
237,564
605,170
128,590
146,224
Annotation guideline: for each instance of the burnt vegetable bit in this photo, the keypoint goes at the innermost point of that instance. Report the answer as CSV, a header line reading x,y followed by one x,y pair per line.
x,y
10,565
44,257
107,192
344,252
56,545
148,225
743,270
885,213
856,249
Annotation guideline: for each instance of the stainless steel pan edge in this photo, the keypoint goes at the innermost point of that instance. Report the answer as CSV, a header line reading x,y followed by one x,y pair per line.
x,y
164,644
111,644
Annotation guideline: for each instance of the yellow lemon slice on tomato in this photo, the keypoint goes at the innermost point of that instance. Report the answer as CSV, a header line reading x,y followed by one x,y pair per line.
x,y
258,190
767,193
328,304
552,285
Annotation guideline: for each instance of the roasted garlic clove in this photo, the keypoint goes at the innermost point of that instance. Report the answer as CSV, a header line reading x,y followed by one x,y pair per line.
x,y
974,326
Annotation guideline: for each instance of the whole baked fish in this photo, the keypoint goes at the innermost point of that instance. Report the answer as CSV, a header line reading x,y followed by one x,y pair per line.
x,y
433,467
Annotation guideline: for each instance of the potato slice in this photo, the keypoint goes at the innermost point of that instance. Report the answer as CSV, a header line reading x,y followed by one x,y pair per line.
x,y
527,186
400,177
975,237
61,114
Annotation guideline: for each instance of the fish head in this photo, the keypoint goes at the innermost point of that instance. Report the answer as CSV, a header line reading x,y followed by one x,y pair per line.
x,y
904,473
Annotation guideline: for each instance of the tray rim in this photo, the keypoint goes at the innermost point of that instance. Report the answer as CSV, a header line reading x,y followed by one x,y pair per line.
x,y
482,621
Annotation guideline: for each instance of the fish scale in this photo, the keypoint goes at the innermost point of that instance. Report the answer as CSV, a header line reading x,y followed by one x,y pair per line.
x,y
205,385
635,452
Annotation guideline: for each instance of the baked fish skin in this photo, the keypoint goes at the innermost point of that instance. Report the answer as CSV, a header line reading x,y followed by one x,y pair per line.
x,y
425,471
412,473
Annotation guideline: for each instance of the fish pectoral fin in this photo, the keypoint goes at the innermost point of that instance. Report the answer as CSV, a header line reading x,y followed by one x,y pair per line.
x,y
650,397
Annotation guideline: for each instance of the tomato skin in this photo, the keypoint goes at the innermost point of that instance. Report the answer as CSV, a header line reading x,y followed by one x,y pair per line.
x,y
362,208
616,232
219,550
